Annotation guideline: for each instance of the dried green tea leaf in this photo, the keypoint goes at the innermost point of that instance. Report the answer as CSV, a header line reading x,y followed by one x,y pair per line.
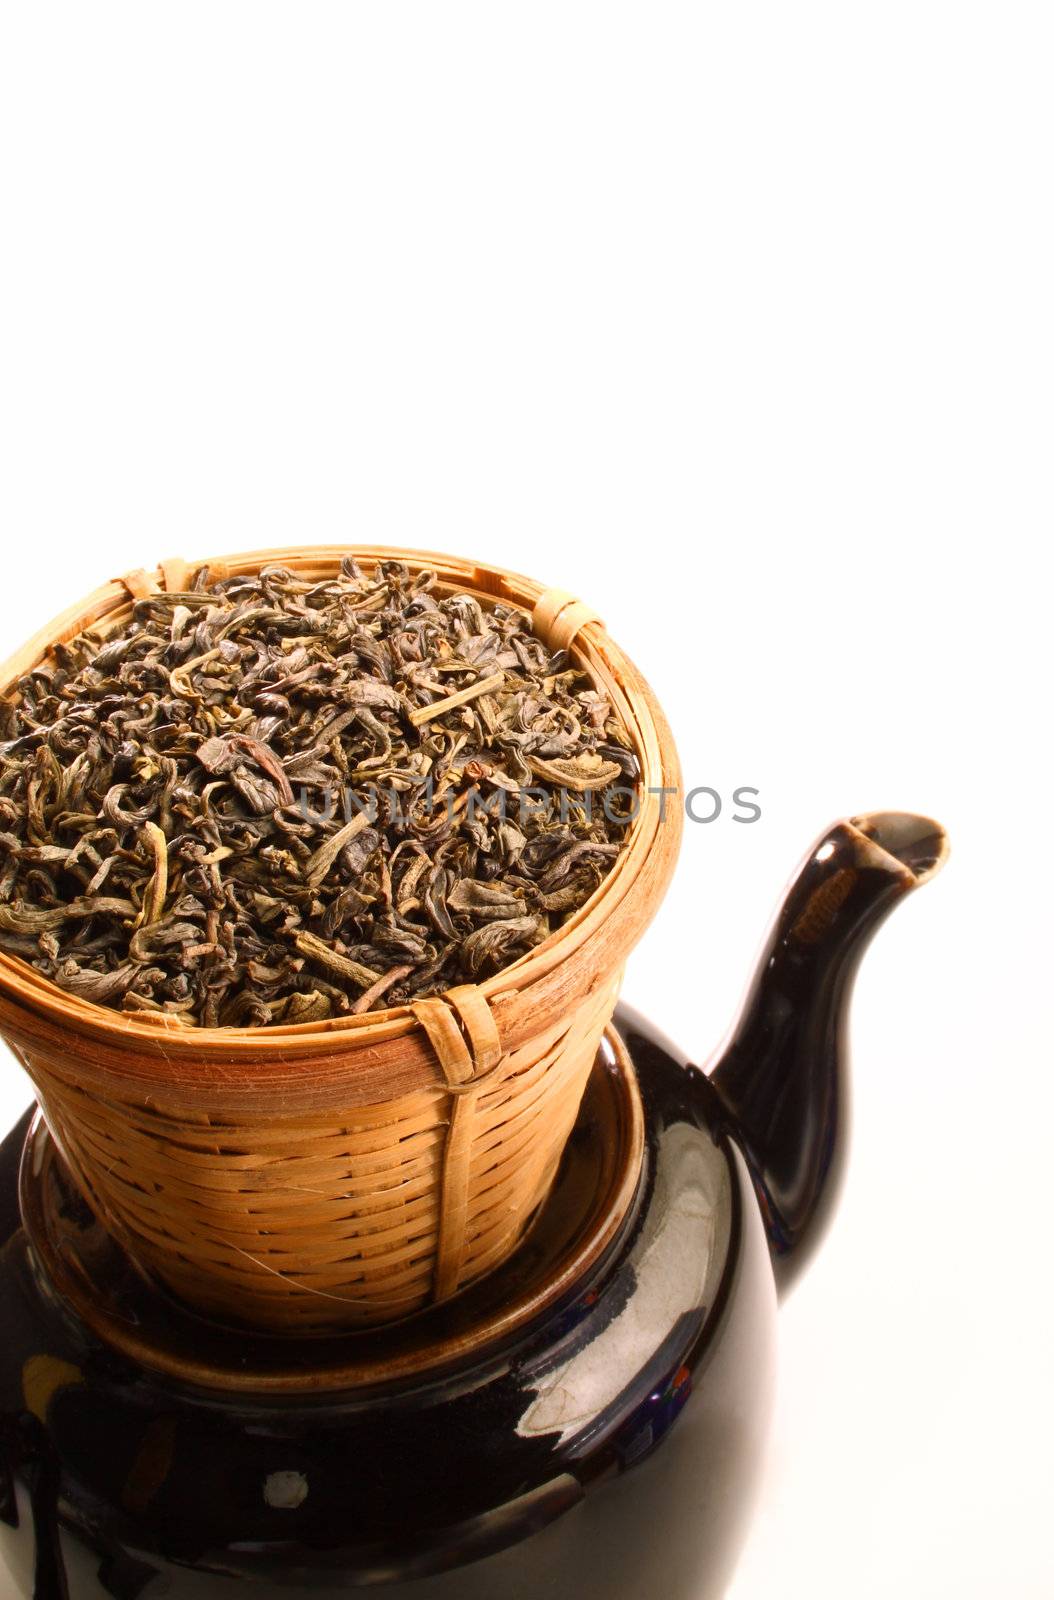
x,y
272,800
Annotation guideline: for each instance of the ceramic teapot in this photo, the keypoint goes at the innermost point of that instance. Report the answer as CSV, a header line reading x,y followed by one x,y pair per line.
x,y
587,1421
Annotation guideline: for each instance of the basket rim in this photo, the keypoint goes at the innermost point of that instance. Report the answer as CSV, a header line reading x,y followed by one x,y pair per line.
x,y
24,986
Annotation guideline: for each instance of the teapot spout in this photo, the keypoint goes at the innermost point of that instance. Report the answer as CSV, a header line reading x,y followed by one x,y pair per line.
x,y
782,1075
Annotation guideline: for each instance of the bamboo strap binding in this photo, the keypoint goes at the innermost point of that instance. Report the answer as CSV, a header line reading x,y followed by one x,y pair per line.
x,y
138,583
465,1038
558,617
175,575
172,575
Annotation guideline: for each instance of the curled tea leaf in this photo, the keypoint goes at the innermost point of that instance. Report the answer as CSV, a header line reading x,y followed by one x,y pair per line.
x,y
583,773
157,888
318,950
153,853
30,919
327,853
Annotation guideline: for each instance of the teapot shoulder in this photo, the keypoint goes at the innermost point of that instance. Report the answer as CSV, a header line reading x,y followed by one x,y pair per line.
x,y
410,1474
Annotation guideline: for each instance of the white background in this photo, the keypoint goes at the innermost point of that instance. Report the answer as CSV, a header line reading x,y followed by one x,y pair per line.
x,y
750,304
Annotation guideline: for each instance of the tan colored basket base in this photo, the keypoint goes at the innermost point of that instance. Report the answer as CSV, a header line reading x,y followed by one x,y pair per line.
x,y
313,1226
593,1193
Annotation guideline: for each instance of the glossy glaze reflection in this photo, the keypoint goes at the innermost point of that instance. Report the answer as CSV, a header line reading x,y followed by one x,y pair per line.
x,y
604,1446
459,1466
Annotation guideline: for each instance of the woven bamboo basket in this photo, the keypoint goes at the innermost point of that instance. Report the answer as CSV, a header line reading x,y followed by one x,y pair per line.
x,y
330,1175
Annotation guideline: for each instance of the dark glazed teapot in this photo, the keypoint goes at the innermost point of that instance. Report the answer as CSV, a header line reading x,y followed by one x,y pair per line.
x,y
587,1422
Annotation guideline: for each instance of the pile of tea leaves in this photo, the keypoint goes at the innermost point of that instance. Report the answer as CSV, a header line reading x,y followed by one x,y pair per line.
x,y
267,800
